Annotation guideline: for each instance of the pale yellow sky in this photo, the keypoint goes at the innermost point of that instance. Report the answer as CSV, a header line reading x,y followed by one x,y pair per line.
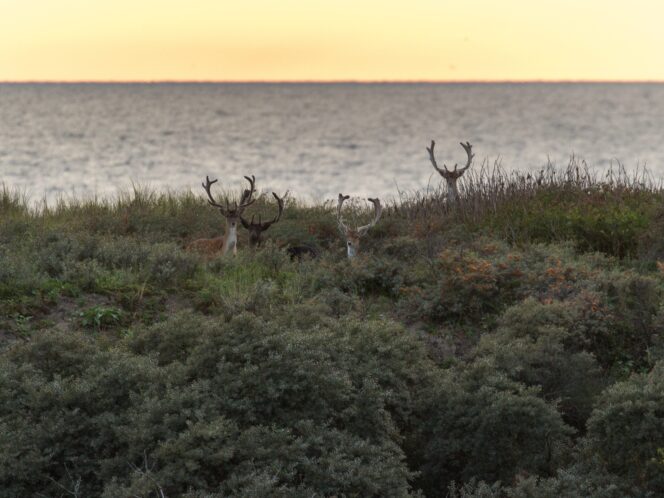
x,y
73,40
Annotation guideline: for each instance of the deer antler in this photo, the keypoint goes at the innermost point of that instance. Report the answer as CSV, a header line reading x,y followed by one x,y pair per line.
x,y
280,207
446,173
207,186
246,199
433,158
469,151
264,226
340,203
378,210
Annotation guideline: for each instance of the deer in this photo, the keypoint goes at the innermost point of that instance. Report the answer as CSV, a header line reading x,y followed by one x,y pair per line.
x,y
452,176
256,229
353,235
228,241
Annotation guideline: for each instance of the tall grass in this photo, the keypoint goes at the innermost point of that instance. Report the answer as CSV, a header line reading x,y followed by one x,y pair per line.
x,y
490,188
12,201
602,209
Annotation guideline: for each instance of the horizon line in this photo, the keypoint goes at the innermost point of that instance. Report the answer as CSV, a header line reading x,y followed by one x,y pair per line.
x,y
340,81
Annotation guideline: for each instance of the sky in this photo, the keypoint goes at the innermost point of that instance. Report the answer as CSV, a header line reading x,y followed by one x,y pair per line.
x,y
331,40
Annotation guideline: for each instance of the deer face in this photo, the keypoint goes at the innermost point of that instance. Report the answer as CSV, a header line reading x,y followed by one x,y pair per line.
x,y
232,221
352,243
255,231
255,237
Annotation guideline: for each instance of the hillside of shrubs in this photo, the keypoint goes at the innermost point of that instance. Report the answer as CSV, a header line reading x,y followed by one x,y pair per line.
x,y
506,345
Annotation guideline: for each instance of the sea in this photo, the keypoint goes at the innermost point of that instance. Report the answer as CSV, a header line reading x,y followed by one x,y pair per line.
x,y
312,139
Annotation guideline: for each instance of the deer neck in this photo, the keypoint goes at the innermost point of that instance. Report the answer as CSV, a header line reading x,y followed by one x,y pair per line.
x,y
230,237
352,246
452,191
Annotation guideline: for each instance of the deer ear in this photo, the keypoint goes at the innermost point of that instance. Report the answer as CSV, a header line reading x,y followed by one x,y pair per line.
x,y
244,222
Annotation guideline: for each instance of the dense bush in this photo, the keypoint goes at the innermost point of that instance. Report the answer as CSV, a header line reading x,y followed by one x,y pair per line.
x,y
62,399
634,305
482,425
575,481
598,221
587,481
468,286
536,344
369,276
226,408
626,429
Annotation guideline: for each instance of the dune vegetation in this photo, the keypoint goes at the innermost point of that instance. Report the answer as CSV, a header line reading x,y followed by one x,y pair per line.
x,y
508,344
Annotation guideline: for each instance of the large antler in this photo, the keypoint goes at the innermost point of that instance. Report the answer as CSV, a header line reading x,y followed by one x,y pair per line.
x,y
378,210
340,203
207,185
246,199
264,226
455,173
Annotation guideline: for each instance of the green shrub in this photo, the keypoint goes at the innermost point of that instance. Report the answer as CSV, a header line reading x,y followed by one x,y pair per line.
x,y
594,220
172,340
403,248
62,399
474,489
98,318
123,253
314,407
160,265
58,250
18,275
573,482
626,429
363,276
576,481
633,302
228,407
535,345
485,426
468,286
168,265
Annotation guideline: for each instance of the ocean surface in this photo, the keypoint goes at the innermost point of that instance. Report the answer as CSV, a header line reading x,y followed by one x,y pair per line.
x,y
313,139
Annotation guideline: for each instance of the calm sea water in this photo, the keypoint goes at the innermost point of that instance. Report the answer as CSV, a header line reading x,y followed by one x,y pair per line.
x,y
313,139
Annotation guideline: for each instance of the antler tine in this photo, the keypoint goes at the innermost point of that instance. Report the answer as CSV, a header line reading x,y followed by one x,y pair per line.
x,y
469,150
246,199
280,207
378,211
433,158
207,186
340,203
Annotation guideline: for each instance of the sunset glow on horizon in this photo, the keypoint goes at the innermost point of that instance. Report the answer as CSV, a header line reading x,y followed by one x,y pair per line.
x,y
315,40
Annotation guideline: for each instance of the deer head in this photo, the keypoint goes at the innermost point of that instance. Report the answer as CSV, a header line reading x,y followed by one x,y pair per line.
x,y
231,212
353,235
256,229
451,176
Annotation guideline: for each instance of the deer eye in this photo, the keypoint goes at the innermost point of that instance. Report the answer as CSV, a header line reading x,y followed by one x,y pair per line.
x,y
349,243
